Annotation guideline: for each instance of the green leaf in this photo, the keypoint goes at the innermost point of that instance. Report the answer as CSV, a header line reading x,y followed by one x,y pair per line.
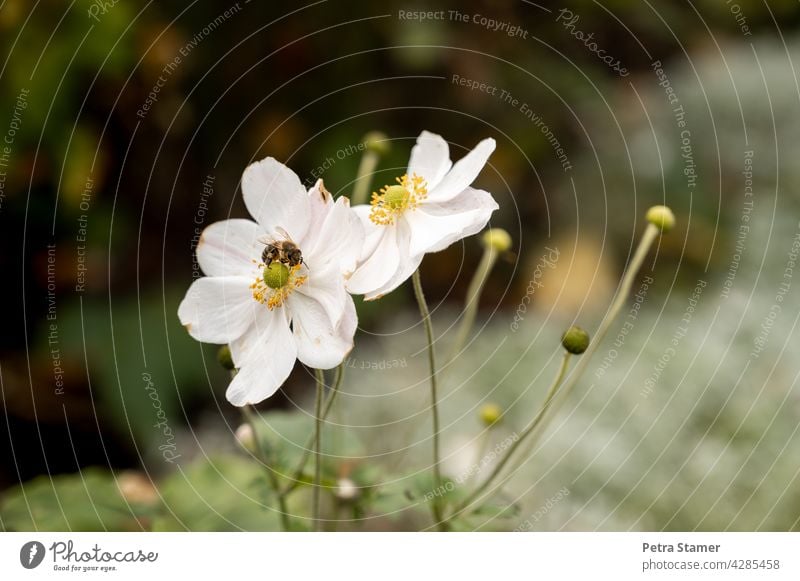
x,y
225,493
87,501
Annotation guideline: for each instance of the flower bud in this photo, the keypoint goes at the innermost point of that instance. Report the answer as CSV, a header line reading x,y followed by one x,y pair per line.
x,y
225,358
136,488
346,490
497,239
246,437
661,217
276,275
575,340
377,142
490,414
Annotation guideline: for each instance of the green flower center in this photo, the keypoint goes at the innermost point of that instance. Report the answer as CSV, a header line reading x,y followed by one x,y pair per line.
x,y
392,201
396,197
276,275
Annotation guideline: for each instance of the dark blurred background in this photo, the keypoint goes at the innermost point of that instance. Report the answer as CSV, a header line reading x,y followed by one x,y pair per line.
x,y
106,181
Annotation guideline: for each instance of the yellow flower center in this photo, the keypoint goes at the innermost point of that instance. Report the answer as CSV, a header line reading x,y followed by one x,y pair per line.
x,y
276,283
394,200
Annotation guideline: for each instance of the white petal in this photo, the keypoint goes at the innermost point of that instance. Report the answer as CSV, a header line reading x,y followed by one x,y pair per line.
x,y
318,343
320,201
406,266
434,227
275,197
218,309
325,284
430,158
228,248
268,359
339,238
372,232
463,173
382,263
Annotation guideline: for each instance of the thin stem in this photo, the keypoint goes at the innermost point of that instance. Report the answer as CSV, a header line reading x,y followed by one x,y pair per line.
x,y
317,448
297,475
369,161
473,298
628,278
546,403
437,475
250,415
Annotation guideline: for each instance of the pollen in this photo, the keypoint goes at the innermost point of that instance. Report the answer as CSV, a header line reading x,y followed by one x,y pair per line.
x,y
267,292
393,200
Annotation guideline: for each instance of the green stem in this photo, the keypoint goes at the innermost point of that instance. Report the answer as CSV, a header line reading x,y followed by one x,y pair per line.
x,y
473,299
297,475
317,449
250,415
624,291
437,475
551,393
369,161
628,278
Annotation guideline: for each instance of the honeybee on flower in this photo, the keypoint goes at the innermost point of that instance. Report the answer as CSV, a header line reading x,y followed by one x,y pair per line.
x,y
275,287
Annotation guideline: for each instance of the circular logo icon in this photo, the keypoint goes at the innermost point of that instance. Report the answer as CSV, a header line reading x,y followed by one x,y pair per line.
x,y
31,554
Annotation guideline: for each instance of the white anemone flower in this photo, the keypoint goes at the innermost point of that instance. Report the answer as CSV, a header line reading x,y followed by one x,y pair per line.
x,y
294,308
427,210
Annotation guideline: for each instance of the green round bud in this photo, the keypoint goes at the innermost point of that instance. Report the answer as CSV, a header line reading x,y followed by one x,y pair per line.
x,y
497,239
276,275
225,358
377,142
661,217
490,414
396,197
575,340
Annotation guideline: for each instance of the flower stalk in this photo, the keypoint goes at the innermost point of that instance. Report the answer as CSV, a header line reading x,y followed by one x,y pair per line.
x,y
623,292
545,406
250,415
320,377
575,341
297,476
376,145
495,242
436,505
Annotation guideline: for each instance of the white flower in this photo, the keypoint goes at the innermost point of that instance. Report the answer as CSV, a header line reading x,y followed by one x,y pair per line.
x,y
291,310
428,209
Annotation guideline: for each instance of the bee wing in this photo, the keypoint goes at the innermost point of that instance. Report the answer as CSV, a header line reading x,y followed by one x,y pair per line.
x,y
283,233
265,239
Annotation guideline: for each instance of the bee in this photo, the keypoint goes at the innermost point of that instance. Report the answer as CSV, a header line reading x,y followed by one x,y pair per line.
x,y
284,251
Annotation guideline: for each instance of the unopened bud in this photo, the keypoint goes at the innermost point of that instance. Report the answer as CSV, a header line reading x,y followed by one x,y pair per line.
x,y
497,239
661,217
246,437
575,340
136,488
491,413
225,358
347,490
377,142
